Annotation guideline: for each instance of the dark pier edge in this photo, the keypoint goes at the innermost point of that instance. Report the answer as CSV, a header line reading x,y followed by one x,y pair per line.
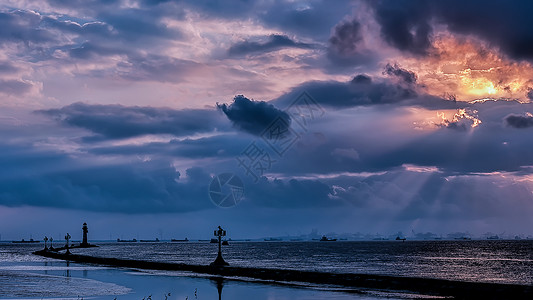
x,y
437,287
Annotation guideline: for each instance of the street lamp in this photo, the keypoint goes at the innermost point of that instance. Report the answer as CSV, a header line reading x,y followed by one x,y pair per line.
x,y
219,261
45,240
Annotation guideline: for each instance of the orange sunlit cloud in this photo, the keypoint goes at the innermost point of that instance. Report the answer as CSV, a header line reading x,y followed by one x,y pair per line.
x,y
470,69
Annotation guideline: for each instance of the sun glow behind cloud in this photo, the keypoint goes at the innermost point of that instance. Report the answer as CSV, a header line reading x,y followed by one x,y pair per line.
x,y
470,69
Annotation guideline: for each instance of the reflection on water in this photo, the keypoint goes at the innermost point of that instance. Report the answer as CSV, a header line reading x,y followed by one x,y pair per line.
x,y
486,261
219,282
23,275
71,281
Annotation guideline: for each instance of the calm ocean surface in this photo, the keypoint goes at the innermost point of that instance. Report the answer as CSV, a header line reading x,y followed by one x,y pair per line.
x,y
23,275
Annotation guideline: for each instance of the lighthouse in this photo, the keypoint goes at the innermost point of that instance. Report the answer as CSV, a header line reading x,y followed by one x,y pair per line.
x,y
84,243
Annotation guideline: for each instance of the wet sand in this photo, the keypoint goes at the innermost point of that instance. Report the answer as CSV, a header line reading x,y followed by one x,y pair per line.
x,y
437,287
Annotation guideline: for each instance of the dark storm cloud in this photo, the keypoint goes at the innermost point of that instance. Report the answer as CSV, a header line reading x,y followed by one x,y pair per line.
x,y
407,24
273,42
404,24
403,75
362,90
252,116
518,121
134,187
498,21
361,79
117,121
345,38
45,178
346,49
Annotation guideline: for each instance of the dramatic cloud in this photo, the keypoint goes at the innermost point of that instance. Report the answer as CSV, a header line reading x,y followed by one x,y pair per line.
x,y
362,90
504,25
517,121
272,43
117,121
126,188
407,25
252,116
403,75
424,110
404,24
345,38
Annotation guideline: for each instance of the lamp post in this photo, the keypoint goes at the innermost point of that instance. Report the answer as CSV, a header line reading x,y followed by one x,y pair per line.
x,y
67,237
51,243
45,240
219,261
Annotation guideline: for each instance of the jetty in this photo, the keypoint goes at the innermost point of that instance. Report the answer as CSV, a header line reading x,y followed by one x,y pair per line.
x,y
426,286
221,268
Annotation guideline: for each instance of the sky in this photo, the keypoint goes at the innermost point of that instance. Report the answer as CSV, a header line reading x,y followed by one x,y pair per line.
x,y
360,116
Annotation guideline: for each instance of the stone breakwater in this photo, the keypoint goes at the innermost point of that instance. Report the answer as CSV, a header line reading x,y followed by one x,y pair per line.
x,y
426,286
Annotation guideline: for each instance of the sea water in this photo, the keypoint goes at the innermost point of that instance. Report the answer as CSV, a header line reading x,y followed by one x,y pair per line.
x,y
26,276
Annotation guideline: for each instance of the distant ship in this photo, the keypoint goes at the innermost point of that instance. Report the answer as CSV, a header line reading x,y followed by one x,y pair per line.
x,y
31,241
176,240
325,239
273,240
127,241
225,243
213,241
463,238
398,238
150,241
